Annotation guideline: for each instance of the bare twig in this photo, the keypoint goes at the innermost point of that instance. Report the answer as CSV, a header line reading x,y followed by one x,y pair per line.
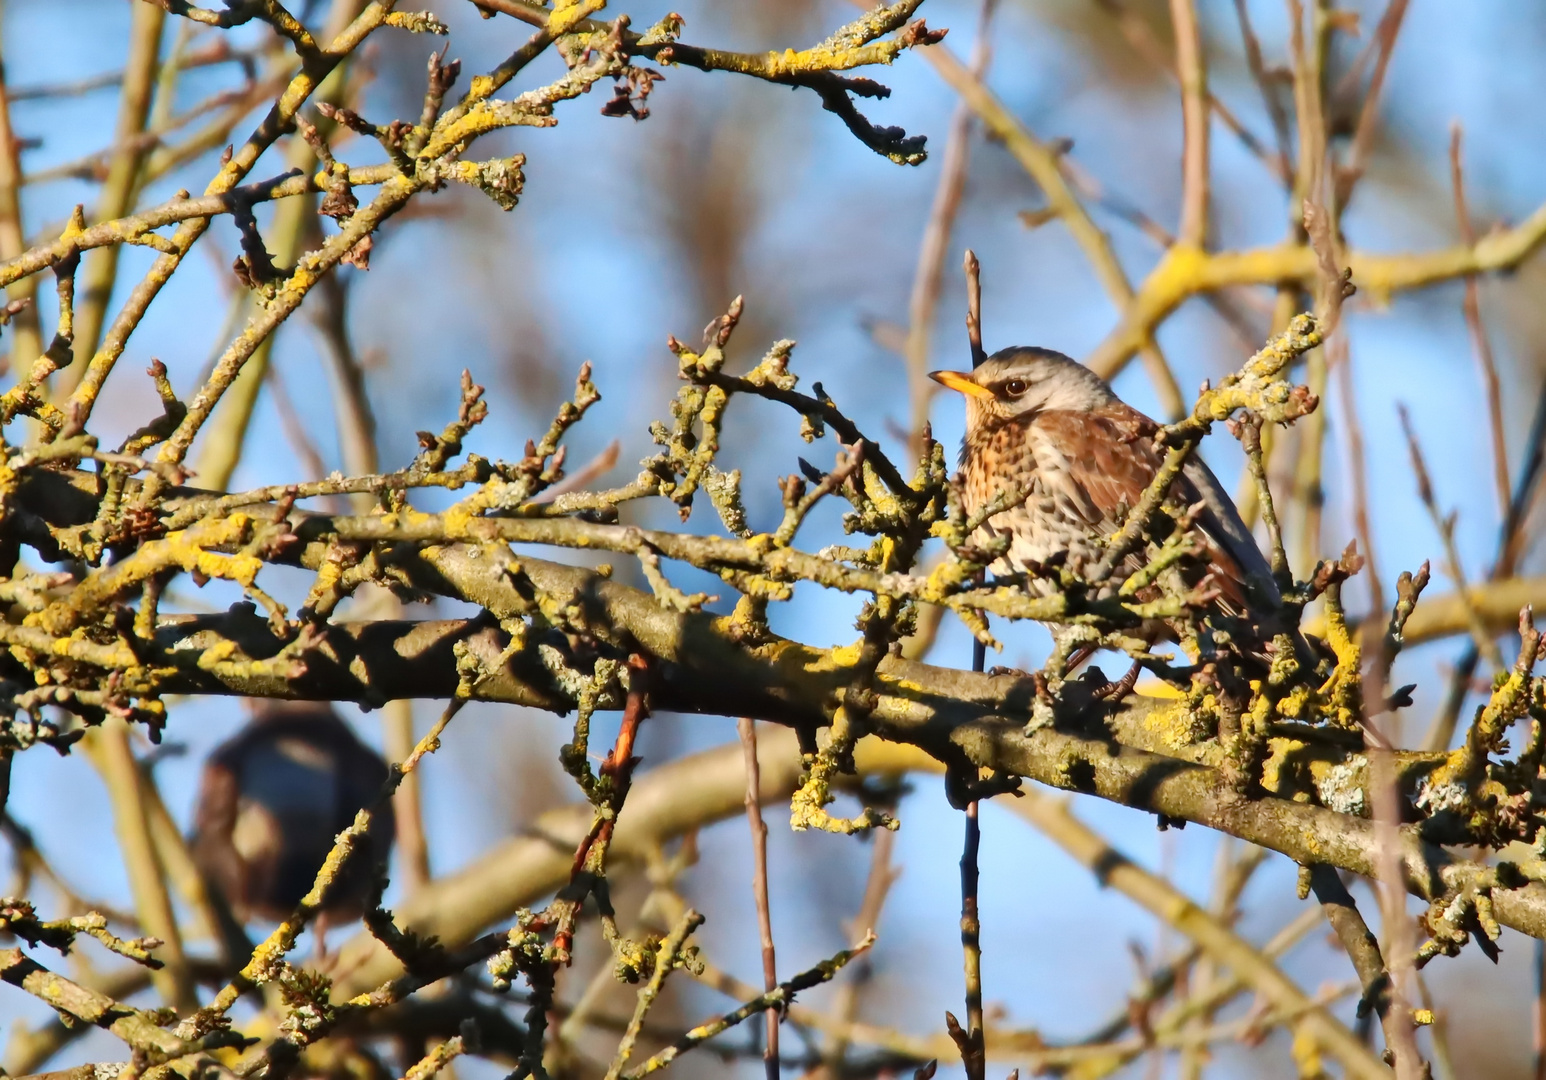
x,y
1472,306
1192,72
667,957
101,269
263,964
1401,946
1358,473
1509,547
1041,163
775,998
231,173
294,427
1384,43
759,831
407,808
1052,817
974,307
970,1042
1483,639
1362,948
1143,41
114,758
1267,84
26,336
877,885
929,276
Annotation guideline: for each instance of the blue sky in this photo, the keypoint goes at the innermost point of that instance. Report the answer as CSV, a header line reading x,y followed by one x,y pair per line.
x,y
597,263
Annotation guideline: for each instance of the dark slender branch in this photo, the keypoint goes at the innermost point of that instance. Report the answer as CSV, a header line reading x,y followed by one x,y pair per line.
x,y
1362,948
759,830
970,1041
974,307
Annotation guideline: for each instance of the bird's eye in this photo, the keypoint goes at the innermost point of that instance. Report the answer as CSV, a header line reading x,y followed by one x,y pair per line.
x,y
1015,387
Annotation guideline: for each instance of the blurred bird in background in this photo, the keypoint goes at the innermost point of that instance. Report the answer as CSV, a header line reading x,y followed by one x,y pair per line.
x,y
271,801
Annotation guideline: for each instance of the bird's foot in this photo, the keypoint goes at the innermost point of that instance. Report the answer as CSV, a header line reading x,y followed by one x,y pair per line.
x,y
1116,691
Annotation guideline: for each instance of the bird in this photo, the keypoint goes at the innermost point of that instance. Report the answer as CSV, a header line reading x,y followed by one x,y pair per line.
x,y
1041,423
271,801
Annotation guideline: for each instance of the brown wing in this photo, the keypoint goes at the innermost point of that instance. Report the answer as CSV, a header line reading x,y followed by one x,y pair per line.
x,y
1111,459
1108,457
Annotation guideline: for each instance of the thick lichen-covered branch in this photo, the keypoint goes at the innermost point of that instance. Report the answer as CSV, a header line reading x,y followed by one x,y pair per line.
x,y
855,45
1184,272
948,713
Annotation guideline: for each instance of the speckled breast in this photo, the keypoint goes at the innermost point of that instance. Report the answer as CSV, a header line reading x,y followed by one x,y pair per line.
x,y
1050,521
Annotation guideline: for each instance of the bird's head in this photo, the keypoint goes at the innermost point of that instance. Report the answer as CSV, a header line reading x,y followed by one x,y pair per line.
x,y
1019,382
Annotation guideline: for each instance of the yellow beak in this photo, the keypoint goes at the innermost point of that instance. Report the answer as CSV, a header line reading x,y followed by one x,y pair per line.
x,y
960,383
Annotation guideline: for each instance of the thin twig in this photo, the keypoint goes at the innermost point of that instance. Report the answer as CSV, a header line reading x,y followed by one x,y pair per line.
x,y
759,831
1385,798
231,173
261,966
294,222
441,1055
1052,817
1400,944
96,167
113,756
1445,525
972,1043
1384,43
1267,84
840,1029
582,477
220,52
1438,1029
1472,306
877,886
306,452
780,996
1358,472
1231,306
667,957
1176,1021
407,808
974,307
928,278
26,335
973,1049
1361,946
1041,163
101,269
1509,549
1191,69
1143,41
1236,865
